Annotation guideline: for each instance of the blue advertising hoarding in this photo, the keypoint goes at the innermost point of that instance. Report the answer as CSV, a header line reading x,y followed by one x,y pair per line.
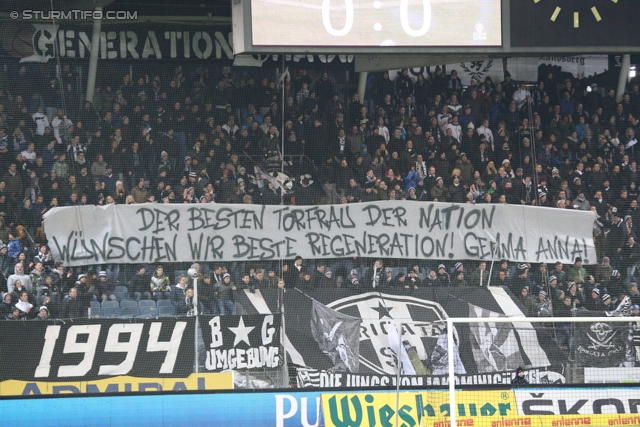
x,y
167,410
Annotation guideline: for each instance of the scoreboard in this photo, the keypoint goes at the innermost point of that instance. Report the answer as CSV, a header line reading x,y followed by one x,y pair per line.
x,y
436,27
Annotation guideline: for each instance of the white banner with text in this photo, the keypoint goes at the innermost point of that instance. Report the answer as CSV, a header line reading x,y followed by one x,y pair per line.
x,y
151,233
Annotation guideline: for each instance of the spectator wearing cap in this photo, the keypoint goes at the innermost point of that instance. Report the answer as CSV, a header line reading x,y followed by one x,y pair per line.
x,y
327,281
564,332
633,292
616,238
72,307
559,273
466,168
354,283
291,271
542,307
480,276
456,129
467,118
521,95
388,279
14,314
413,277
139,192
431,279
521,279
303,281
594,302
86,288
25,306
630,256
603,272
442,279
616,284
139,284
575,293
48,291
159,284
580,202
566,104
374,276
178,291
19,276
400,281
417,272
318,274
577,273
225,295
458,278
526,300
258,281
458,266
353,274
539,279
206,291
6,305
230,127
502,278
272,278
43,313
108,180
629,231
5,263
456,191
439,193
606,302
106,287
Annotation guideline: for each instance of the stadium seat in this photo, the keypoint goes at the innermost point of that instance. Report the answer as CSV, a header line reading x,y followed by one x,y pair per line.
x,y
111,311
130,311
121,296
128,303
239,309
398,270
96,310
164,302
146,303
148,311
110,304
121,288
166,310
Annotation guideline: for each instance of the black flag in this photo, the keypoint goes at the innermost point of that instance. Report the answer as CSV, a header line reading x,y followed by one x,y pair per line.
x,y
338,336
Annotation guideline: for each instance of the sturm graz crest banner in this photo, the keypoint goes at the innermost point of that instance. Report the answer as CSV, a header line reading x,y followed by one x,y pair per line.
x,y
423,315
241,342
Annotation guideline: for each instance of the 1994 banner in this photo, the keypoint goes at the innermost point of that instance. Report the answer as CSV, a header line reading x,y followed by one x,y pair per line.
x,y
218,232
91,349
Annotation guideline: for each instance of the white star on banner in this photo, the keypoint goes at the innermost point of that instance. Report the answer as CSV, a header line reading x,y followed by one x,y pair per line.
x,y
242,332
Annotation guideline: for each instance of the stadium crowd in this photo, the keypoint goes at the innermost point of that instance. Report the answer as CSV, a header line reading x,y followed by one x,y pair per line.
x,y
201,137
